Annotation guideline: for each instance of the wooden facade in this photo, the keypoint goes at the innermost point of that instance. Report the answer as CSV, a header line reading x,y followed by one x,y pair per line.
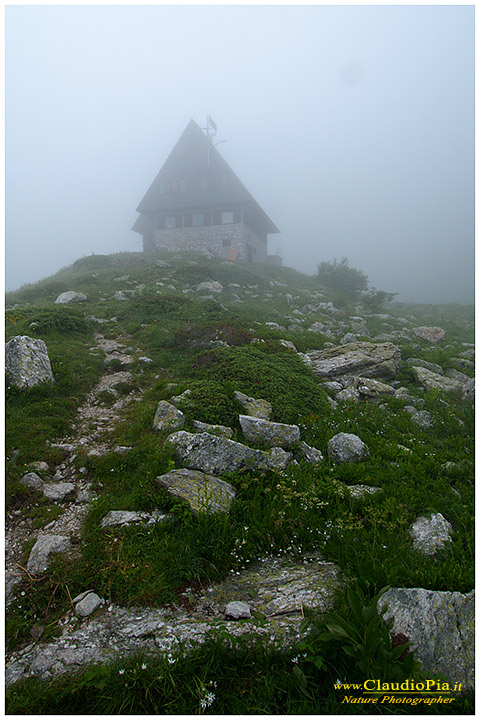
x,y
196,202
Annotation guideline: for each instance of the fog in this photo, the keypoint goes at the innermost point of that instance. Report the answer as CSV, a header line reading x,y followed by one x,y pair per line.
x,y
352,126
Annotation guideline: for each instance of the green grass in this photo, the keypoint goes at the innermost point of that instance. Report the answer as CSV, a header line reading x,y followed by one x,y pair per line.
x,y
306,509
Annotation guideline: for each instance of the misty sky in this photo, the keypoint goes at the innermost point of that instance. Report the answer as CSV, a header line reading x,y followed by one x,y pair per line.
x,y
352,126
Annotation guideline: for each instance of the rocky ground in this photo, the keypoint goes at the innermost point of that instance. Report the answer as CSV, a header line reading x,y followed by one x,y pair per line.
x,y
355,367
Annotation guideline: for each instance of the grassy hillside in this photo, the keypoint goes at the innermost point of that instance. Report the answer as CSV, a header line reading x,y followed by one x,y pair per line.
x,y
213,344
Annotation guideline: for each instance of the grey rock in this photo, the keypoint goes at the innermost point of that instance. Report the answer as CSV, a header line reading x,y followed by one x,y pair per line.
x,y
32,481
210,286
358,492
432,334
333,386
168,417
43,548
440,626
122,449
119,295
346,448
40,466
278,459
237,610
58,491
88,604
220,430
457,375
359,358
128,517
27,362
288,344
348,338
469,390
422,418
182,398
350,394
271,434
70,297
430,533
370,389
217,455
434,381
419,362
255,408
308,453
202,491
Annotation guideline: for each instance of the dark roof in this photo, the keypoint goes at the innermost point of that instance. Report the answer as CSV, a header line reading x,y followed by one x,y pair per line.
x,y
192,158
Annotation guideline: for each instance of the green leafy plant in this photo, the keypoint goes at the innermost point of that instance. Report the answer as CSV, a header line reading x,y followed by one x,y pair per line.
x,y
364,636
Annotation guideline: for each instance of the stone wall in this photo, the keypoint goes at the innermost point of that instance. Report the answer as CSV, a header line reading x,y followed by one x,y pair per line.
x,y
219,239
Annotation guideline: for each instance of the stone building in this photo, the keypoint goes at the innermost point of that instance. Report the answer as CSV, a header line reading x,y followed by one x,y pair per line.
x,y
196,202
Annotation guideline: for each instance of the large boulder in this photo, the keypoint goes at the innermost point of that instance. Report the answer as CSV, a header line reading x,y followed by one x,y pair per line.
x,y
365,359
70,297
440,625
220,456
271,434
202,491
27,362
346,448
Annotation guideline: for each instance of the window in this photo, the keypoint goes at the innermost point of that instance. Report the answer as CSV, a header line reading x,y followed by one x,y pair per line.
x,y
197,219
169,221
227,217
227,242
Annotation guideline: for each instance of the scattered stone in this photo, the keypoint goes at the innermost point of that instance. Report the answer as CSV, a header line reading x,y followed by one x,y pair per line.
x,y
202,491
271,434
433,381
183,397
365,359
167,417
32,481
237,610
430,533
128,517
422,418
122,449
40,465
278,459
70,297
358,492
145,359
27,362
432,334
45,545
220,430
346,448
58,491
350,394
308,453
440,626
87,603
256,408
419,362
218,455
212,286
288,344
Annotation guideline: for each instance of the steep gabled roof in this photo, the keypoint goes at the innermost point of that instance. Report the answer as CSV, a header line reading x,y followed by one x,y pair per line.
x,y
194,157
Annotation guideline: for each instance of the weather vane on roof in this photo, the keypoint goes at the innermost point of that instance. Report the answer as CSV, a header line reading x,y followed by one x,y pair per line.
x,y
211,131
